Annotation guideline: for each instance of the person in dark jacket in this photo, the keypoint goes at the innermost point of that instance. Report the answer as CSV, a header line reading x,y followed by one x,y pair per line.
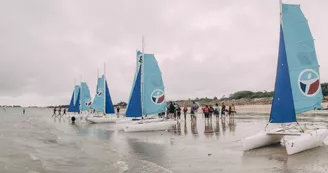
x,y
171,110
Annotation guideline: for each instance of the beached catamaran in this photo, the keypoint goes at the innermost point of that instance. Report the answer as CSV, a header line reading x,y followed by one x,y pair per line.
x,y
83,100
297,87
102,103
148,96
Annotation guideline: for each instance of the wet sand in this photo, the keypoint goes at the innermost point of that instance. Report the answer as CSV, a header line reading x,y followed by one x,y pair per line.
x,y
38,143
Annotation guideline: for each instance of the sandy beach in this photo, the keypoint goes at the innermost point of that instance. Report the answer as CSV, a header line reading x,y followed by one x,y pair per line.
x,y
36,142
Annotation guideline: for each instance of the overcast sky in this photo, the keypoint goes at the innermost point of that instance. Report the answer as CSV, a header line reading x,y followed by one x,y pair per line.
x,y
204,48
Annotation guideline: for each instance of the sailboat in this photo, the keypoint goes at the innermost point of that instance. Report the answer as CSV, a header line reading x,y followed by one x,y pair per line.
x,y
297,87
83,100
102,103
148,96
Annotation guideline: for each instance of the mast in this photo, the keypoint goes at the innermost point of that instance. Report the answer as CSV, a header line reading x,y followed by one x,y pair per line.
x,y
280,6
74,92
81,94
142,75
105,88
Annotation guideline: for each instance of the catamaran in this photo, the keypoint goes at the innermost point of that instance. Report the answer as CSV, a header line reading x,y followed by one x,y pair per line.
x,y
83,100
297,87
102,103
147,97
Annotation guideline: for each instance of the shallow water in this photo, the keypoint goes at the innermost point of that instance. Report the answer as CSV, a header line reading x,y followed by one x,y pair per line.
x,y
36,142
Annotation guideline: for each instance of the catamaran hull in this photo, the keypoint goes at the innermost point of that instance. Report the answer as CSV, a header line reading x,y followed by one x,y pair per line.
x,y
122,123
149,126
260,140
102,119
306,141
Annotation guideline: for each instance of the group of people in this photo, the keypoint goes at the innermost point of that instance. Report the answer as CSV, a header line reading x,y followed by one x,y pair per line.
x,y
174,111
59,112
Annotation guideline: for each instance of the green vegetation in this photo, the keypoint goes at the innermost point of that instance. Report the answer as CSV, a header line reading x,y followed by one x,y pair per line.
x,y
249,95
324,87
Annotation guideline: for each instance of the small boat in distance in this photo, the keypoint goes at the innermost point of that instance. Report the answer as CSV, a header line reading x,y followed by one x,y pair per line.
x,y
297,87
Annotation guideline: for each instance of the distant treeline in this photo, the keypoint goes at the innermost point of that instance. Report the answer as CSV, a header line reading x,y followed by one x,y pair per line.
x,y
235,96
249,95
14,106
121,104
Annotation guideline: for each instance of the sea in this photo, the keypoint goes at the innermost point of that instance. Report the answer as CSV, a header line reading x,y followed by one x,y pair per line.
x,y
36,142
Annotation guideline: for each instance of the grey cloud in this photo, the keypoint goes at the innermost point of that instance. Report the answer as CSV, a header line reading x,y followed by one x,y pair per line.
x,y
205,48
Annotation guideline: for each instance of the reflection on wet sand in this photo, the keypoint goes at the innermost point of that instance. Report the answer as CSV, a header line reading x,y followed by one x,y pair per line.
x,y
194,129
208,129
217,128
93,130
151,152
185,128
232,125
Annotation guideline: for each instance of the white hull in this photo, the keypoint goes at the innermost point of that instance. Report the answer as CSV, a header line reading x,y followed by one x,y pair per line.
x,y
260,140
294,142
125,121
122,123
77,117
149,126
102,119
308,140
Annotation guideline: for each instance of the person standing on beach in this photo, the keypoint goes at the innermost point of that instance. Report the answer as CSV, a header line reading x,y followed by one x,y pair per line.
x,y
178,112
223,109
195,109
64,111
54,112
211,113
233,110
171,110
23,110
185,110
229,111
118,109
59,111
206,111
217,111
192,113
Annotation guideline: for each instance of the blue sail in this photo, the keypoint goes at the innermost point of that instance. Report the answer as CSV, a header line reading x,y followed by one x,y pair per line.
x,y
77,103
139,59
297,86
302,60
71,104
85,97
76,91
282,109
99,100
134,106
154,101
109,104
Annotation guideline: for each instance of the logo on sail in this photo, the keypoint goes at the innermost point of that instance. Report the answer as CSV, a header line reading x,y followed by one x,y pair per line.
x,y
99,92
158,96
309,82
88,103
